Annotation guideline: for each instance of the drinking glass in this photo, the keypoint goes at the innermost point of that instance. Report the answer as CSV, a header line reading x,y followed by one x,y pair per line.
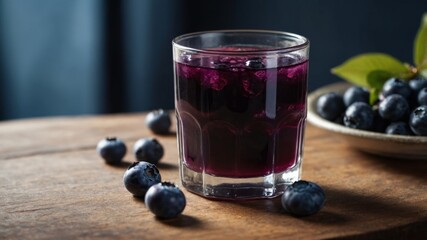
x,y
240,100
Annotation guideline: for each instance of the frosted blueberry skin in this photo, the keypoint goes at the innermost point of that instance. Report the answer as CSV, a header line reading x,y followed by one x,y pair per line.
x,y
417,84
359,115
394,108
355,94
379,124
396,86
112,150
148,150
418,120
398,128
165,200
140,176
158,121
422,96
330,106
303,198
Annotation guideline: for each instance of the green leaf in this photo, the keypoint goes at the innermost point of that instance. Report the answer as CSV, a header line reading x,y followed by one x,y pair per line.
x,y
374,95
423,73
377,78
356,69
420,44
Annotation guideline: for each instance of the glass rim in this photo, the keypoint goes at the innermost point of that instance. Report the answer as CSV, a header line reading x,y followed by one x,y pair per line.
x,y
305,42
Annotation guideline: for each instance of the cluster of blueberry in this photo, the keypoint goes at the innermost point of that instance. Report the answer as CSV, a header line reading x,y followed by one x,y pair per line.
x,y
401,109
142,178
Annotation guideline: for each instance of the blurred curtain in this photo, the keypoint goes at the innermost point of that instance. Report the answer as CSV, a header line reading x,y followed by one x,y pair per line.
x,y
49,57
62,57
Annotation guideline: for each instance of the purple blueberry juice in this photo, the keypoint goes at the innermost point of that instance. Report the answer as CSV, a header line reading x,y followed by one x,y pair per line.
x,y
239,118
240,99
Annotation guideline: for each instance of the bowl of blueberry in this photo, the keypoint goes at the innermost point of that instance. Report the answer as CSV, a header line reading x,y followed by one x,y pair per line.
x,y
383,108
394,125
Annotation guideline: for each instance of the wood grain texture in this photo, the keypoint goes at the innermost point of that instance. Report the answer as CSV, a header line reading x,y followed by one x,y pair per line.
x,y
53,185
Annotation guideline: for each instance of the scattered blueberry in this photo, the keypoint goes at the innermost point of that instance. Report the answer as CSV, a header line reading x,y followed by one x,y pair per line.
x,y
396,86
111,149
359,115
140,176
399,128
303,198
418,120
394,108
158,121
422,96
148,150
330,106
165,200
355,94
255,63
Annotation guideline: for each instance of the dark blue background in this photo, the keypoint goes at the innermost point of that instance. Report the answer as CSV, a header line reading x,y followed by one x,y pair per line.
x,y
61,57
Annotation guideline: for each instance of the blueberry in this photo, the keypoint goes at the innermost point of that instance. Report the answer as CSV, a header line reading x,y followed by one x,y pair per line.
x,y
399,128
359,115
417,84
220,65
111,149
255,63
140,176
330,106
355,94
303,198
379,124
165,200
158,121
396,86
418,120
148,150
422,96
289,60
394,108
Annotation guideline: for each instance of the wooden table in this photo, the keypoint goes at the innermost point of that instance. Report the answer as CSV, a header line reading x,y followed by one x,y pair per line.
x,y
53,185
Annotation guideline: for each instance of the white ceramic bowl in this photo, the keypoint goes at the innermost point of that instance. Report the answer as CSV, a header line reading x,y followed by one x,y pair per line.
x,y
393,146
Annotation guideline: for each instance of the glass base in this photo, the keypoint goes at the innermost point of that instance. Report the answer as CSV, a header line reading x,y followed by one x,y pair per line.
x,y
210,186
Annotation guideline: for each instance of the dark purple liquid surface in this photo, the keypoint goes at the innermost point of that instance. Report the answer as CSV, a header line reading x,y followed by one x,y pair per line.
x,y
238,119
